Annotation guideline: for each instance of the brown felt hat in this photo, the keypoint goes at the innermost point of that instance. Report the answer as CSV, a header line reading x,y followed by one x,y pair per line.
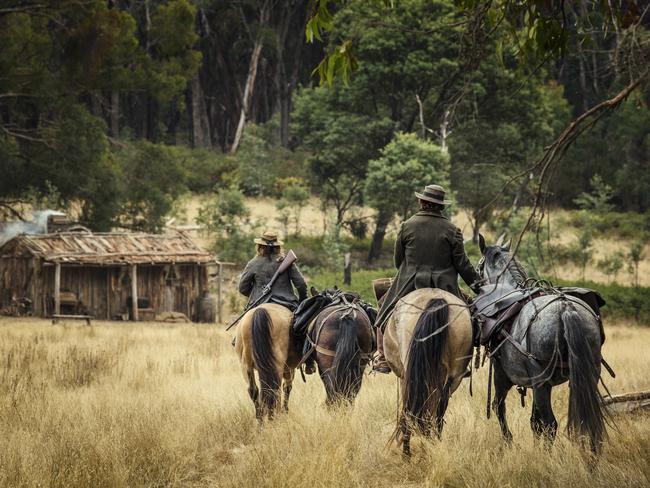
x,y
433,194
269,238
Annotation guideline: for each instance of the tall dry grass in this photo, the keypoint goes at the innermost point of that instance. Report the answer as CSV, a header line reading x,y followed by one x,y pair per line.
x,y
156,405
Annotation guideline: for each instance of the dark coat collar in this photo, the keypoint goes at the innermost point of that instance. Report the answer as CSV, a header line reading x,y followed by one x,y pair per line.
x,y
429,213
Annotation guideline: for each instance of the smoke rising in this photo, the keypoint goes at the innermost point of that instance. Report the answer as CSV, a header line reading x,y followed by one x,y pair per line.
x,y
38,225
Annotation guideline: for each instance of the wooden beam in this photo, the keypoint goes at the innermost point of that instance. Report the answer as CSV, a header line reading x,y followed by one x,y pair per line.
x,y
57,289
134,292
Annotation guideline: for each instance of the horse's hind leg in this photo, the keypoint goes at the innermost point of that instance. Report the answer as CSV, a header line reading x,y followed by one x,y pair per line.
x,y
502,386
287,385
442,408
406,435
542,420
254,393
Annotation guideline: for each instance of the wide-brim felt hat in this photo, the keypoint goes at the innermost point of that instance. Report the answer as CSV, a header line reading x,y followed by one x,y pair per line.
x,y
269,238
433,194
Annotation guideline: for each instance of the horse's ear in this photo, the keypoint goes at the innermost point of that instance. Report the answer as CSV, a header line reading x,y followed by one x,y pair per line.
x,y
506,245
313,291
500,240
481,243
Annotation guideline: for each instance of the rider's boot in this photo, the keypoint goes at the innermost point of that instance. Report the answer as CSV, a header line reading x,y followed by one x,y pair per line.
x,y
310,365
380,365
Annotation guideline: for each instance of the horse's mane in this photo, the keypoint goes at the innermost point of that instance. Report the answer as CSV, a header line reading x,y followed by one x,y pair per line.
x,y
510,264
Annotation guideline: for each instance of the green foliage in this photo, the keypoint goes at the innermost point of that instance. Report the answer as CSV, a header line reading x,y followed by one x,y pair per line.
x,y
341,142
227,219
261,160
612,265
405,164
294,197
153,179
617,149
598,200
206,169
623,302
635,255
361,281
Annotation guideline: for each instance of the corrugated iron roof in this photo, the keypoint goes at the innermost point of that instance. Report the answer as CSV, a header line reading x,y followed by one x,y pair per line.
x,y
107,249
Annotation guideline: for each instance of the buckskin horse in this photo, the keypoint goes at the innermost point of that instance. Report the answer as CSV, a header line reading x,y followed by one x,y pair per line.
x,y
556,337
264,343
341,339
428,344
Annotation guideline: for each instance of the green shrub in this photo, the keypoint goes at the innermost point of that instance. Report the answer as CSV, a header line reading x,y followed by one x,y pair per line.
x,y
361,281
623,302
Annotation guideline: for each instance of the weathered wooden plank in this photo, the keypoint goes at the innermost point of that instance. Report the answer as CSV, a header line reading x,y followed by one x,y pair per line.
x,y
134,292
57,289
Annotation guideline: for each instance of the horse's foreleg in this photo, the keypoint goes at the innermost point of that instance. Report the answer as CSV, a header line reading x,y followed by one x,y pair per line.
x,y
542,420
502,386
287,385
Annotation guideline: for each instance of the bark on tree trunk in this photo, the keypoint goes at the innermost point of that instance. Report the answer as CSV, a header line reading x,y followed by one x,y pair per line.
x,y
383,219
248,94
200,123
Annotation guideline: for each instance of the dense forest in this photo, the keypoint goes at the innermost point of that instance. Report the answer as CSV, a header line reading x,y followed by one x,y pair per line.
x,y
120,106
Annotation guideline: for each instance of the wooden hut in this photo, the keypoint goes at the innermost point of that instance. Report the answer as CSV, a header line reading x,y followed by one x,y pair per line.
x,y
112,276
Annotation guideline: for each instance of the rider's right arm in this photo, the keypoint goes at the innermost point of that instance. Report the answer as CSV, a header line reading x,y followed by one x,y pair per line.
x,y
247,280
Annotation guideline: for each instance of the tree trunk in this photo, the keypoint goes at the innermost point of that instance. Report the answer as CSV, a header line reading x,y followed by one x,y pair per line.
x,y
200,123
248,94
383,219
115,114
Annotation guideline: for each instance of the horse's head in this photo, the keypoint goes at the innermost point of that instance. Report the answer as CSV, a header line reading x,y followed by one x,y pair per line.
x,y
498,264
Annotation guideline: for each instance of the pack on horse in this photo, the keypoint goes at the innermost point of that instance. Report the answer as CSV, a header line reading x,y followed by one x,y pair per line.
x,y
264,342
428,345
339,339
541,338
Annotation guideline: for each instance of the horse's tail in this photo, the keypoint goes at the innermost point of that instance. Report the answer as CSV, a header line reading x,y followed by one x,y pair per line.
x,y
264,359
425,375
346,367
586,410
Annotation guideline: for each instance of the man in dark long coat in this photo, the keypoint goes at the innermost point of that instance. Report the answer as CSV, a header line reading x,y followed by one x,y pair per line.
x,y
429,253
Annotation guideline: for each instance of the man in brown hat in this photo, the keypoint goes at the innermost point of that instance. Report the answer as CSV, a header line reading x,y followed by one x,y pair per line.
x,y
429,253
259,271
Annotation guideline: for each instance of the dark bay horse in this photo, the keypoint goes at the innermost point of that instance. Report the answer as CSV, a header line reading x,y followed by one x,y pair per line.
x,y
265,344
555,338
428,344
342,341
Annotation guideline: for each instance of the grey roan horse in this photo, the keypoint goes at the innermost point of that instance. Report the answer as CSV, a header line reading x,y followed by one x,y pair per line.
x,y
555,338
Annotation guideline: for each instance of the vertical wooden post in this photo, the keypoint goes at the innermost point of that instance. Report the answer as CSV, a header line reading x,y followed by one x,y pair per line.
x,y
57,289
108,293
219,287
134,292
347,270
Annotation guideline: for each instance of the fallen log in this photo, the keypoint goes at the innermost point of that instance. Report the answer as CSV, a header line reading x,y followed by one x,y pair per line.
x,y
628,402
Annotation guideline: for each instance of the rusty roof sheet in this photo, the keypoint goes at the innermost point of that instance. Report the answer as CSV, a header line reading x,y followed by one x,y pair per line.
x,y
107,249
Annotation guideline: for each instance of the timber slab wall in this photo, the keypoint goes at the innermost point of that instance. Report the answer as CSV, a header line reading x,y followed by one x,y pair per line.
x,y
95,274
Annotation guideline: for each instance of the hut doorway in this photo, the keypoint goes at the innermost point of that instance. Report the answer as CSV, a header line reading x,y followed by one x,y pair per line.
x,y
171,282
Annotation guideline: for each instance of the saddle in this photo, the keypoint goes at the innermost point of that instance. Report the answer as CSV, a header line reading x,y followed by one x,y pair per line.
x,y
309,308
496,313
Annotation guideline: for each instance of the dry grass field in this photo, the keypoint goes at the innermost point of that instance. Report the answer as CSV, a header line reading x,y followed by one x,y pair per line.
x,y
160,405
